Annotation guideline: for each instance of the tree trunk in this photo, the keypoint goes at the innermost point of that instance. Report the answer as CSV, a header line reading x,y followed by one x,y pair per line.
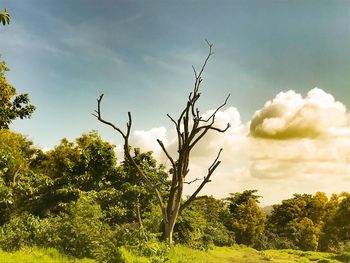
x,y
138,214
168,232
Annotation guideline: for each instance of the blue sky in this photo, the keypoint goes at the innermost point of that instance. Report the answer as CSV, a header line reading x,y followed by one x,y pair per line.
x,y
139,54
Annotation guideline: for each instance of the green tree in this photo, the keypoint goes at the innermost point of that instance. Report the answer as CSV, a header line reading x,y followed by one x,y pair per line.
x,y
12,105
88,164
247,219
336,230
329,239
17,180
136,196
202,224
307,234
297,222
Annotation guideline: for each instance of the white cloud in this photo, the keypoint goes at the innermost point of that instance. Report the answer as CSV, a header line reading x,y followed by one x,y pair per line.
x,y
289,115
317,159
299,145
147,141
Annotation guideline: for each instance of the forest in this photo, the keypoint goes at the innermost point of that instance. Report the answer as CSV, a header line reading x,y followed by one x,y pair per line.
x,y
78,199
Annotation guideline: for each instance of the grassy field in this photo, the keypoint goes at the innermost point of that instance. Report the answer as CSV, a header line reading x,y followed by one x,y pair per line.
x,y
181,254
248,255
38,255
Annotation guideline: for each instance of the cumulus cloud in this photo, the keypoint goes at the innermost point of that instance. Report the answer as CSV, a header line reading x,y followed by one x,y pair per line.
x,y
296,145
289,115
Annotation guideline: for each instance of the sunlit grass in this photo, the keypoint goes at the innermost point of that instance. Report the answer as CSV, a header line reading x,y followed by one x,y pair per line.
x,y
182,254
38,255
240,254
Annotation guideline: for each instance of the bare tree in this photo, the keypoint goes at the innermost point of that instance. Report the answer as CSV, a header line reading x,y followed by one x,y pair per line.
x,y
191,127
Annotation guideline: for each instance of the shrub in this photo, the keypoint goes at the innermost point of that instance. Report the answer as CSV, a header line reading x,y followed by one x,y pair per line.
x,y
18,232
79,231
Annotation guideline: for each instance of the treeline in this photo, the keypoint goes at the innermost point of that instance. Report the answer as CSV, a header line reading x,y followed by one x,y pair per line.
x,y
78,199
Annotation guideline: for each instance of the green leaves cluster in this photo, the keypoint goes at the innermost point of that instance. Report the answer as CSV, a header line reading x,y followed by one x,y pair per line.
x,y
311,222
247,220
4,17
12,105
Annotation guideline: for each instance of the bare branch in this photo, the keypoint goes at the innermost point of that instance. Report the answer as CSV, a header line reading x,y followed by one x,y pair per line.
x,y
195,180
206,180
167,154
206,60
221,130
99,117
217,109
195,72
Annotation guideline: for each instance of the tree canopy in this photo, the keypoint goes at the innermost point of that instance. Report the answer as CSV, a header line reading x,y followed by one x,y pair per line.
x,y
12,105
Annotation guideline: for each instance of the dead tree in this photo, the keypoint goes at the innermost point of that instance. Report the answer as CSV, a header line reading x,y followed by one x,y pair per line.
x,y
191,127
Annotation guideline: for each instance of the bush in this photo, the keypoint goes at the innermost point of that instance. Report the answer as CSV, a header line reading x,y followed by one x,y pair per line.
x,y
141,243
19,232
79,232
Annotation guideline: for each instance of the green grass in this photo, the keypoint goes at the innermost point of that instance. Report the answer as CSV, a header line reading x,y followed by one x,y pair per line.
x,y
38,255
182,254
238,254
241,254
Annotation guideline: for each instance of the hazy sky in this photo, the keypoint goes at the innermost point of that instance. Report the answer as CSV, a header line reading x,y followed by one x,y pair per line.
x,y
139,54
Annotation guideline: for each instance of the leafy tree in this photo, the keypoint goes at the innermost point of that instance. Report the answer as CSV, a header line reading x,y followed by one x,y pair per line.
x,y
128,200
336,230
136,195
237,199
191,127
247,219
16,177
307,234
88,164
12,106
202,224
329,240
300,220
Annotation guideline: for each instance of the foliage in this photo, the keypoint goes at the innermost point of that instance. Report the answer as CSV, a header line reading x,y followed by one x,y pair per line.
x,y
88,164
336,230
79,231
247,219
76,198
18,232
17,182
12,106
201,225
135,194
142,243
4,17
298,221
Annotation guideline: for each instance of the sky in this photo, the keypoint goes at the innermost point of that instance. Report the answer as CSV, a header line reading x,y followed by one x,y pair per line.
x,y
285,63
